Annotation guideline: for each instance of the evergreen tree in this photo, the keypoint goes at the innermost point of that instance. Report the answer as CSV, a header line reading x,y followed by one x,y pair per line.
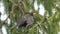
x,y
42,23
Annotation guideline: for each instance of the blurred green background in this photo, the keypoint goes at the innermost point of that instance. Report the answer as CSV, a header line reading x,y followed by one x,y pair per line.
x,y
48,23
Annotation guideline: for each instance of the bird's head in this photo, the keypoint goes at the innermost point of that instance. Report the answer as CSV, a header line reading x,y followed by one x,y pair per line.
x,y
32,13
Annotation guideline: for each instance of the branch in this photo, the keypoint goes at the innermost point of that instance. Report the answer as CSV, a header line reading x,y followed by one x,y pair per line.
x,y
3,22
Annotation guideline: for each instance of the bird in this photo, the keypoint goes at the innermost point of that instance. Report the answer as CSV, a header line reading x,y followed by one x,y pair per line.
x,y
26,20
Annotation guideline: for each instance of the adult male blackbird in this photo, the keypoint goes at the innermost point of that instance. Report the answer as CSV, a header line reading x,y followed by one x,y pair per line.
x,y
26,20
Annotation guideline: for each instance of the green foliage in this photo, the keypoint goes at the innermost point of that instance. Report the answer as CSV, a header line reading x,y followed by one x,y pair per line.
x,y
47,24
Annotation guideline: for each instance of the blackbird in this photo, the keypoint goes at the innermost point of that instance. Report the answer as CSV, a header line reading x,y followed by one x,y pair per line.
x,y
26,20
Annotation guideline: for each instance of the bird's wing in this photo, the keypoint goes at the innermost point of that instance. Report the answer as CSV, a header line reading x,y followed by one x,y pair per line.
x,y
19,22
29,19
